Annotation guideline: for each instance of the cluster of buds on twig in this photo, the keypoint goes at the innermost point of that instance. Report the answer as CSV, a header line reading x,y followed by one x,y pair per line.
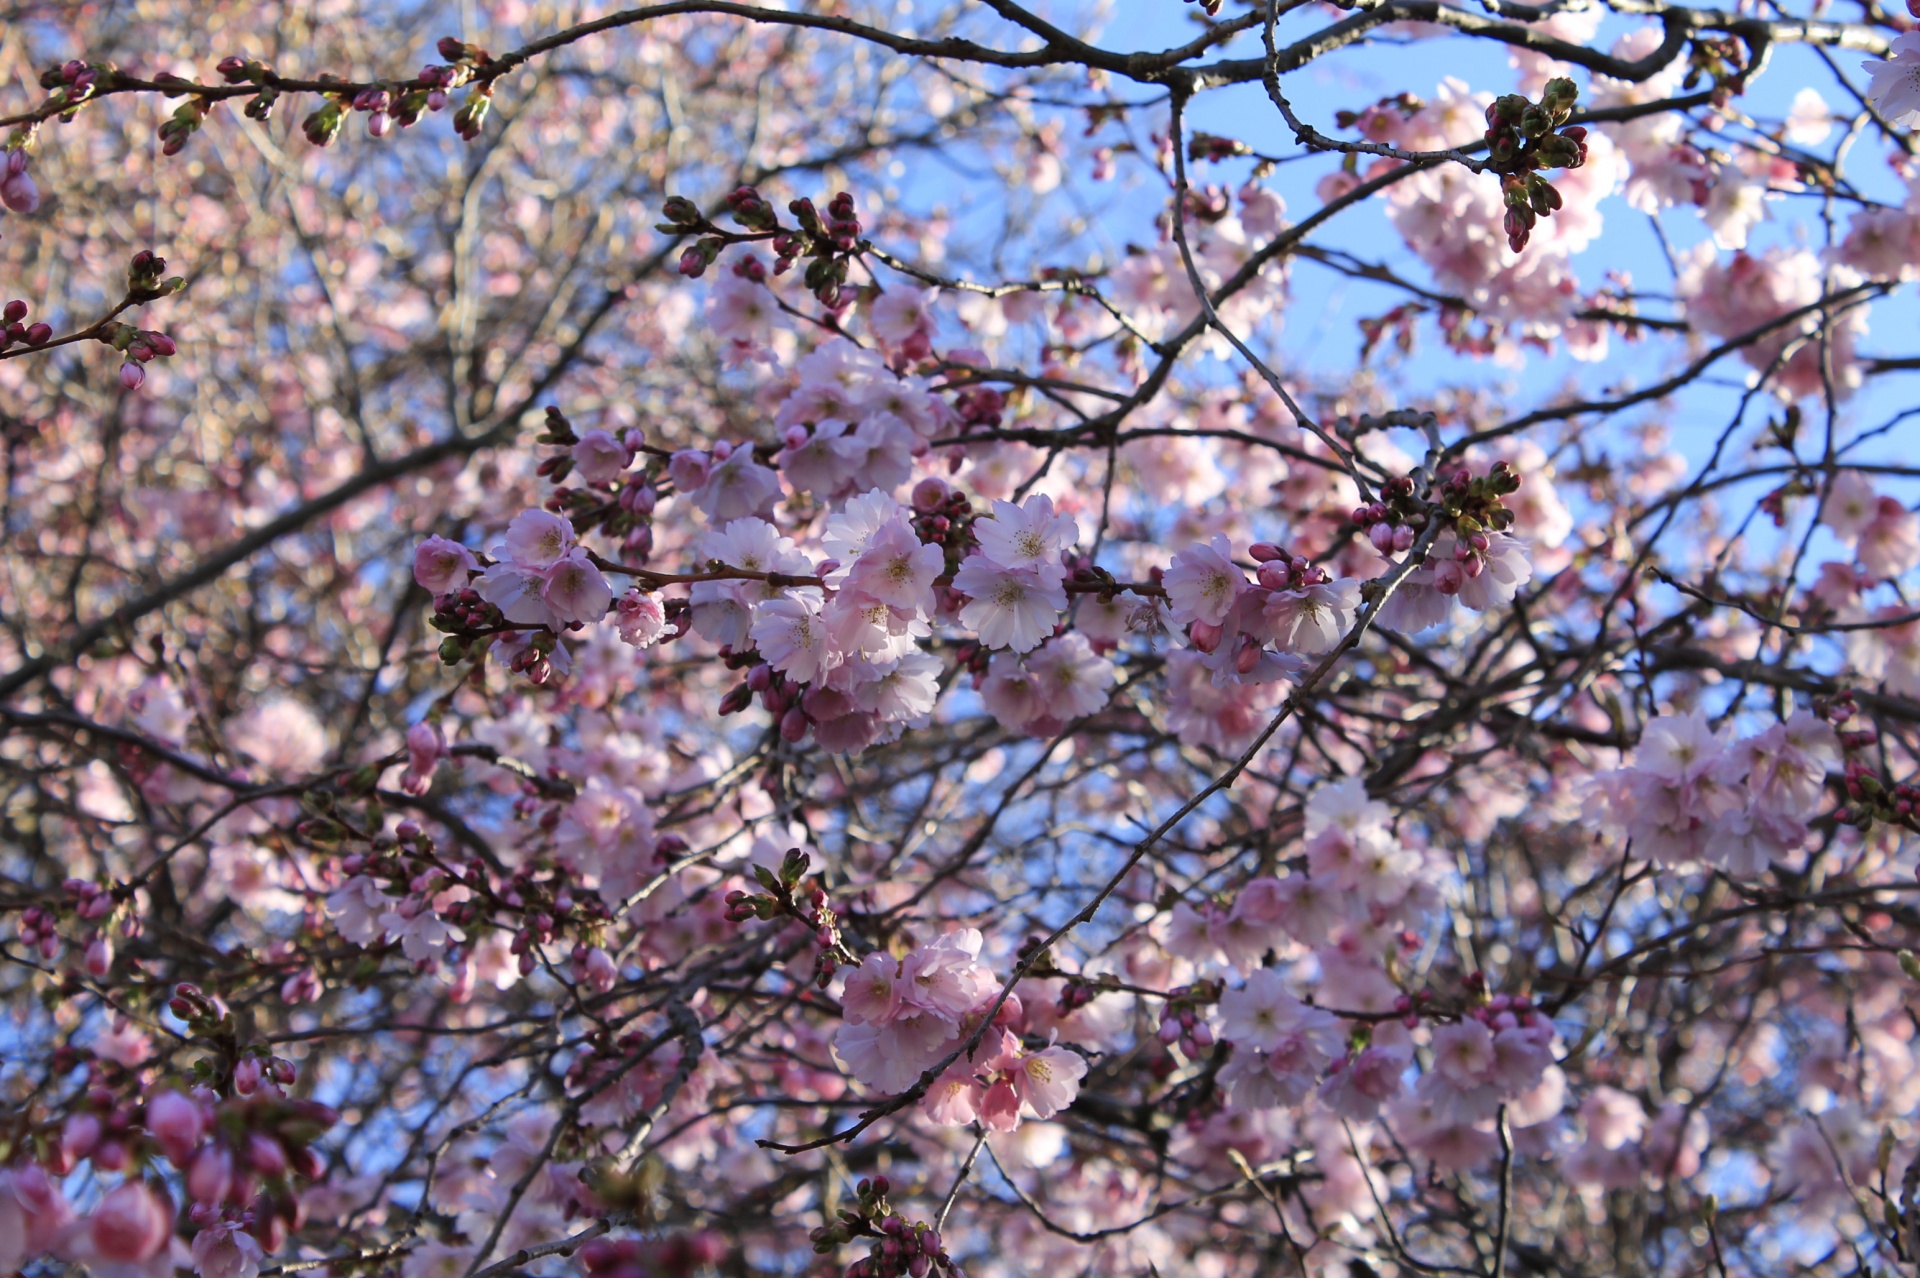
x,y
463,616
14,317
241,71
1282,571
786,897
1873,800
72,83
87,903
900,1248
611,498
139,345
981,407
238,1153
463,66
1411,1006
1839,710
147,278
1183,1018
235,1070
1394,521
384,107
777,693
1472,503
943,516
38,929
1524,137
828,242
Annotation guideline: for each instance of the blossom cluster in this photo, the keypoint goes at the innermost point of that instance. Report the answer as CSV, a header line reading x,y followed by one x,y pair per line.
x,y
1697,796
904,1016
239,1155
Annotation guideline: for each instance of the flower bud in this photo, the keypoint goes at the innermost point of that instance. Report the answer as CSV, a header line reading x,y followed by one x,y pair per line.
x,y
177,1123
131,1224
266,1155
600,970
210,1174
80,1137
17,190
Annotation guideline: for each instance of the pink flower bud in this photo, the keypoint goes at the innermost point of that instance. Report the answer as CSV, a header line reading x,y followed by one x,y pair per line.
x,y
1381,535
99,958
600,970
18,192
177,1123
1206,635
246,1076
425,747
79,1137
131,1225
210,1174
688,468
306,1162
132,376
266,1155
930,494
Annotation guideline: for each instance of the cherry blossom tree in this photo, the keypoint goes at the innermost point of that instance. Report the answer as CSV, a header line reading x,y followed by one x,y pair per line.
x,y
1244,638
